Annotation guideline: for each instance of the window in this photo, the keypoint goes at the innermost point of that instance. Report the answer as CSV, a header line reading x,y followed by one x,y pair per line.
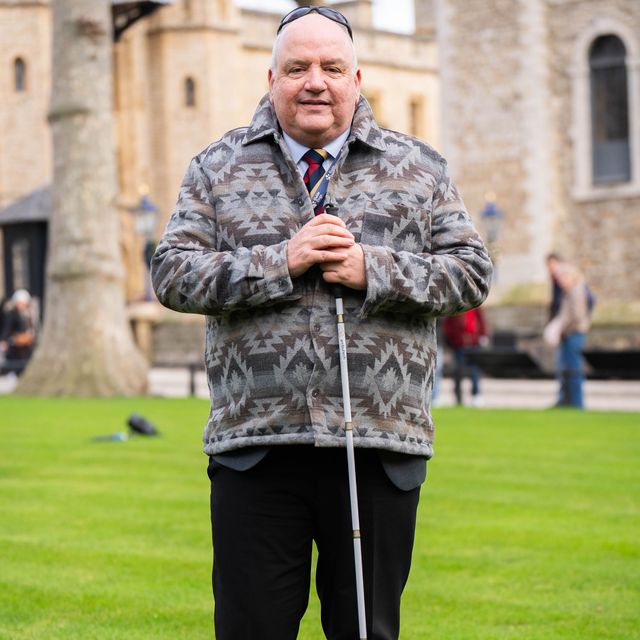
x,y
190,92
609,110
604,122
20,74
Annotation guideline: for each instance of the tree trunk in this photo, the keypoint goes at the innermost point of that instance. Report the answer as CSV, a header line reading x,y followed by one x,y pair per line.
x,y
86,346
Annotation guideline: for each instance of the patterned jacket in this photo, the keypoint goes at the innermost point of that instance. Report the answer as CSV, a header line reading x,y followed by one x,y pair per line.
x,y
271,343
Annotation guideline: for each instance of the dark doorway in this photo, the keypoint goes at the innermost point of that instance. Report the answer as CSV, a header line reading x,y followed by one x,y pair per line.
x,y
24,225
25,251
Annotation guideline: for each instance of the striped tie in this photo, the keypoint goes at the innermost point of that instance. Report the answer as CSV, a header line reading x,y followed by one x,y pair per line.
x,y
314,158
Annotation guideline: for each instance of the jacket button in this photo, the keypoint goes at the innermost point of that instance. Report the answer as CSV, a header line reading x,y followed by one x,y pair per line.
x,y
315,393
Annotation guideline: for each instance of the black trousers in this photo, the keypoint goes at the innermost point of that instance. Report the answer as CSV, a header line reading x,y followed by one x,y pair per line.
x,y
264,521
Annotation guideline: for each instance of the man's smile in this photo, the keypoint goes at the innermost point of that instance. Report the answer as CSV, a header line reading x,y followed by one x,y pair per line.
x,y
315,103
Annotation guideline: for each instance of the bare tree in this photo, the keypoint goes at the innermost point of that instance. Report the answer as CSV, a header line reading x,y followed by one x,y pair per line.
x,y
86,346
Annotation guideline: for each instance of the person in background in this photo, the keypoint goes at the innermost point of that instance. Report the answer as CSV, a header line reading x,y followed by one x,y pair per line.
x,y
555,264
18,336
567,331
463,332
252,246
554,261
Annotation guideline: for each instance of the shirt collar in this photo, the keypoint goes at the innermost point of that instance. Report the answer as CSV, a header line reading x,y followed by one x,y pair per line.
x,y
298,150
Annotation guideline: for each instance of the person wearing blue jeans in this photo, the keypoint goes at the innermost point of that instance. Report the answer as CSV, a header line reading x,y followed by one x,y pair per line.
x,y
571,365
571,324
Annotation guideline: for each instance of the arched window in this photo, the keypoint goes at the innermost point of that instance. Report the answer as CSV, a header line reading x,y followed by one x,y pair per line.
x,y
190,92
20,74
609,110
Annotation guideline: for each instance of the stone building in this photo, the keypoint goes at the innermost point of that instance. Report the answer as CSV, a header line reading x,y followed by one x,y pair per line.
x,y
535,101
541,106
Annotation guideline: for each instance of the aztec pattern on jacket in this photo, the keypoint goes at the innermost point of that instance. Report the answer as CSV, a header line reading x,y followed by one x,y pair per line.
x,y
271,342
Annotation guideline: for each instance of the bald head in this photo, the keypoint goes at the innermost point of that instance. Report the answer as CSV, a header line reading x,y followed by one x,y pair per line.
x,y
313,83
312,16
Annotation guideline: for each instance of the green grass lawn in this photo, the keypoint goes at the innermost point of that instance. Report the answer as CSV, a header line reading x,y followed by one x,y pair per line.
x,y
529,526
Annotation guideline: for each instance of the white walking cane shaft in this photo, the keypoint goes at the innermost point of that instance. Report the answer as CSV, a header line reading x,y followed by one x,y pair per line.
x,y
351,467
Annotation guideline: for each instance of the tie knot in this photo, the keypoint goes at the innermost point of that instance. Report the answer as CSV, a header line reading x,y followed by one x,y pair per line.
x,y
315,156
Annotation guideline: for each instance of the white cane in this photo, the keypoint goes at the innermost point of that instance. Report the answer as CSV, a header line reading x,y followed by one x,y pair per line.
x,y
351,465
332,209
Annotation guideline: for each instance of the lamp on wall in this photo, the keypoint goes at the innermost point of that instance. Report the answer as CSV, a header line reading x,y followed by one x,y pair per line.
x,y
145,213
492,218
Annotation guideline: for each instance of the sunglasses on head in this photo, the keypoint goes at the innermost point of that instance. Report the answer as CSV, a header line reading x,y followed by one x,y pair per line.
x,y
327,12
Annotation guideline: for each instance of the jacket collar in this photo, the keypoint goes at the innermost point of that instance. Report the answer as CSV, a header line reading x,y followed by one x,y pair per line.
x,y
363,128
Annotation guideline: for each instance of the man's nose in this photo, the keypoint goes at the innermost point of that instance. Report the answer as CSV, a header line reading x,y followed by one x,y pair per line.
x,y
315,80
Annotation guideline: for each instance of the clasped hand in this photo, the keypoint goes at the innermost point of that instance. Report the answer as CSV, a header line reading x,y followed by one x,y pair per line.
x,y
327,242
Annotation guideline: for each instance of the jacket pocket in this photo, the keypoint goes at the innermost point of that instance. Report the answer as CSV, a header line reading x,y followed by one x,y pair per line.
x,y
398,227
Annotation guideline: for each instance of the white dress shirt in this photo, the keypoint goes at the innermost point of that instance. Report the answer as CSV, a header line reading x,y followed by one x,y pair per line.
x,y
298,150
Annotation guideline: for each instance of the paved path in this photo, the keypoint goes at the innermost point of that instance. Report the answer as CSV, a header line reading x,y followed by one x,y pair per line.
x,y
612,395
600,395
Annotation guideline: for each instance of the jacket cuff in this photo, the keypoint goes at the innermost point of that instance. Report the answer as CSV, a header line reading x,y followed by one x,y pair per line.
x,y
275,269
378,265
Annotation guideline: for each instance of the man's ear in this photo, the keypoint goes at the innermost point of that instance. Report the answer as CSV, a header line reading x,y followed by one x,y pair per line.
x,y
358,81
270,80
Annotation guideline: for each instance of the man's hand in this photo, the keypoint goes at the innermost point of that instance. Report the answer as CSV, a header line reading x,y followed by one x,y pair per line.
x,y
349,271
323,239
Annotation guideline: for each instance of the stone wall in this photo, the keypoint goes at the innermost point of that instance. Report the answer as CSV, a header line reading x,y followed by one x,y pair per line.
x,y
496,95
25,145
516,123
483,114
599,233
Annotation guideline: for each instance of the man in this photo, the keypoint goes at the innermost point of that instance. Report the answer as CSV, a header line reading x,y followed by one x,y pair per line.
x,y
555,263
573,320
244,247
569,321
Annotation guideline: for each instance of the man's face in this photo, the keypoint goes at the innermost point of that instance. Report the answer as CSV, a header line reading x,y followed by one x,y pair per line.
x,y
314,88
